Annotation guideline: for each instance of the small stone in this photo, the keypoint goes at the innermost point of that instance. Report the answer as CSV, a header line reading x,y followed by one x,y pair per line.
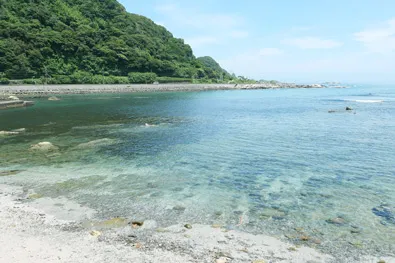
x,y
138,245
355,231
292,249
95,233
179,208
381,261
336,221
188,226
348,108
53,98
259,261
304,238
35,196
216,226
137,224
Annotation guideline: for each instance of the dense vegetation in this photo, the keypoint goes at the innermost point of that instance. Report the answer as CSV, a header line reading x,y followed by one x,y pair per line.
x,y
93,41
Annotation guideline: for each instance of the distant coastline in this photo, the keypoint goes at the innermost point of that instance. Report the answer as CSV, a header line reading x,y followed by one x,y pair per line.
x,y
45,90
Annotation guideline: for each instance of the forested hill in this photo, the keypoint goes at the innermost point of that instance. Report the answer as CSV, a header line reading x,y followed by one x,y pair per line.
x,y
92,41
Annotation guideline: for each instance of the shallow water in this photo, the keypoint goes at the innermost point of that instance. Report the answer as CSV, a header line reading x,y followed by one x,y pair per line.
x,y
267,161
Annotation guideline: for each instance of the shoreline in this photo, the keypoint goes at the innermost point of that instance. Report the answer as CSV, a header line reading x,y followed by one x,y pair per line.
x,y
45,90
29,234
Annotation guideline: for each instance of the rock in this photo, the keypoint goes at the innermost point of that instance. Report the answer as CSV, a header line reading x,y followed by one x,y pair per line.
x,y
272,213
304,238
10,172
44,147
95,233
331,111
137,224
5,133
96,143
385,212
35,196
336,221
348,108
188,226
138,245
179,208
259,261
381,261
19,130
221,260
53,98
12,97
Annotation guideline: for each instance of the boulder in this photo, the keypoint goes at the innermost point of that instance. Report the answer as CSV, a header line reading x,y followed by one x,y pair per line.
x,y
5,133
44,147
12,97
348,108
53,98
19,130
96,143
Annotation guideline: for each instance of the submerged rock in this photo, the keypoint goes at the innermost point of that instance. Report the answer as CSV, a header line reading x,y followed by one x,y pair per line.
x,y
10,172
44,147
19,130
96,143
385,212
53,98
348,108
5,133
188,226
337,221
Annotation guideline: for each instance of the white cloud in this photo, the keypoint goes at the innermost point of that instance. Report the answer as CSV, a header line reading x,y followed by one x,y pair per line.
x,y
312,43
270,52
379,40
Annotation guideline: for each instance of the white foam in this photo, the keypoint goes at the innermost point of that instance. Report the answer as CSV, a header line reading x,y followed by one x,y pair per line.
x,y
369,101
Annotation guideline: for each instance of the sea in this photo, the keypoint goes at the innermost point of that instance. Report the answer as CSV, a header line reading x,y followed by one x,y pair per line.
x,y
289,163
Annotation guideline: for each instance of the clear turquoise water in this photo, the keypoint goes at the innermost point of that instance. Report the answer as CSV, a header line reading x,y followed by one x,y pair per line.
x,y
273,160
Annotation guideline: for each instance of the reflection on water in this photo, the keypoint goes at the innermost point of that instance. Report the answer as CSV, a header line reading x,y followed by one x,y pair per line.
x,y
272,161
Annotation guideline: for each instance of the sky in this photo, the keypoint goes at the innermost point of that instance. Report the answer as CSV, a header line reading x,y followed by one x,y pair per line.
x,y
286,40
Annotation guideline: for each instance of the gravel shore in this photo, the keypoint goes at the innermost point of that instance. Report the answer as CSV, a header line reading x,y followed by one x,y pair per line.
x,y
31,235
44,90
28,234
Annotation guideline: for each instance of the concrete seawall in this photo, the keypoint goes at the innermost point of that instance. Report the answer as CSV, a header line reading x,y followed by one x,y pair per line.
x,y
41,90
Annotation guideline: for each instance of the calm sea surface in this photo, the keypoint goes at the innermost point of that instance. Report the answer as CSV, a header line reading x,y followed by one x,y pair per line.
x,y
265,161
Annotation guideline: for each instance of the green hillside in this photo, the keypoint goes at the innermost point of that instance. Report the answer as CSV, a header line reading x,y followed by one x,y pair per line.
x,y
92,41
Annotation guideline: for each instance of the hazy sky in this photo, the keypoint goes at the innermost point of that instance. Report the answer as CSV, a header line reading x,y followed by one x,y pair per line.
x,y
304,40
